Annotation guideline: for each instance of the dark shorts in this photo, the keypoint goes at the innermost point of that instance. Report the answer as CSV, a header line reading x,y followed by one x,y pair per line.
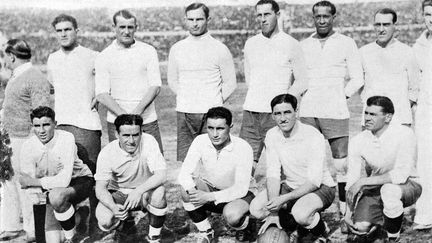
x,y
88,144
218,208
369,207
82,186
330,128
325,193
254,129
151,128
189,126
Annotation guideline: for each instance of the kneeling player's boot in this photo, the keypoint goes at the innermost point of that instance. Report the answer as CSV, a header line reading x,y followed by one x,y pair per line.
x,y
206,236
248,234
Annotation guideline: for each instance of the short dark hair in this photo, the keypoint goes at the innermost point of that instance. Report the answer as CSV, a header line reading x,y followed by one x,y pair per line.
x,y
125,14
220,112
194,6
127,119
387,11
284,98
426,3
64,18
42,111
384,102
274,4
325,4
20,48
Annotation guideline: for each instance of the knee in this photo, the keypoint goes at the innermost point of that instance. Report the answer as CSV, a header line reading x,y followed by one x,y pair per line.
x,y
340,164
302,215
58,199
232,215
104,216
158,198
391,196
363,226
256,210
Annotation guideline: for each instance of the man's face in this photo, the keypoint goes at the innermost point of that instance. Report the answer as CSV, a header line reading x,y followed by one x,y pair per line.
x,y
66,34
218,132
375,118
44,128
267,18
125,30
130,138
323,20
285,117
196,22
427,16
384,28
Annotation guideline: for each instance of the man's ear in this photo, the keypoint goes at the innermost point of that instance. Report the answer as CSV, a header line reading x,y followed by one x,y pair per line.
x,y
389,117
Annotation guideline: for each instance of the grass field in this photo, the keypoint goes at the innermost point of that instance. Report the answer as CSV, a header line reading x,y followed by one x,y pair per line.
x,y
165,104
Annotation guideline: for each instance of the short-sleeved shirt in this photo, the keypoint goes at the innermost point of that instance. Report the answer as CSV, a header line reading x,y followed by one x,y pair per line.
x,y
126,171
301,157
72,76
126,74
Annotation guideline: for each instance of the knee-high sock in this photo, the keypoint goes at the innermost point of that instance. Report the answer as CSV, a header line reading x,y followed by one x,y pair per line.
x,y
67,221
393,225
157,219
39,222
198,216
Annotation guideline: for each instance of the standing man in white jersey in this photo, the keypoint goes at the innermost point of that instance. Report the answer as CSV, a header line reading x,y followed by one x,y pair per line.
x,y
390,68
201,73
71,72
273,60
128,77
423,121
330,56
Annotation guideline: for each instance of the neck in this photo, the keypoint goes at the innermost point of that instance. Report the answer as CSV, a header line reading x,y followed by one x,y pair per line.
x,y
19,62
379,132
199,36
324,35
69,48
125,45
223,145
273,33
385,44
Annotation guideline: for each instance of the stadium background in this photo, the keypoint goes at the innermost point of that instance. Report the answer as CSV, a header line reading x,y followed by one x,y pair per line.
x,y
233,25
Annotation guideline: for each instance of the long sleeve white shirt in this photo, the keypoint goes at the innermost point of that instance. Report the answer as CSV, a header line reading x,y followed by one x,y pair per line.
x,y
394,152
229,169
201,72
126,74
72,75
328,66
300,157
392,72
272,66
41,160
